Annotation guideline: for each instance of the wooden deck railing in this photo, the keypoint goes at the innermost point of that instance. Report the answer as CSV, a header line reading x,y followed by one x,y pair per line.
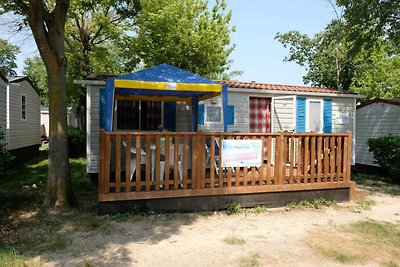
x,y
291,161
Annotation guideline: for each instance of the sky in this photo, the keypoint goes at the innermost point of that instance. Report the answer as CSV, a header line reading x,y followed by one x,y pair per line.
x,y
257,53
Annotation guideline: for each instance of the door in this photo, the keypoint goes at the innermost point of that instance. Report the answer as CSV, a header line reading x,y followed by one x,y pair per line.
x,y
259,115
283,114
283,118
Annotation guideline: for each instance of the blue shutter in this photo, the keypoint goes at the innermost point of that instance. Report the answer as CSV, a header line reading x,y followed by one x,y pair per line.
x,y
201,114
300,114
102,102
230,115
327,115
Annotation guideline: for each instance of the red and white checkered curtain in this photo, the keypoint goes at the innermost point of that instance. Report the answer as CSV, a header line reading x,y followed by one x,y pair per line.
x,y
260,115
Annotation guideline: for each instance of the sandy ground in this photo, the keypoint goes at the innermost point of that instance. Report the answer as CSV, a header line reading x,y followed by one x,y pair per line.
x,y
276,236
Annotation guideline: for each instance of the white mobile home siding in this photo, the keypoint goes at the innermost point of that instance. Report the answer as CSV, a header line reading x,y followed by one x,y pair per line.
x,y
374,120
3,108
22,133
283,113
285,108
92,127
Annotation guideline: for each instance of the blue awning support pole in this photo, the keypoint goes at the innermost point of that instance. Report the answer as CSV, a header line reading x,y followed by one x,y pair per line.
x,y
195,110
109,105
225,106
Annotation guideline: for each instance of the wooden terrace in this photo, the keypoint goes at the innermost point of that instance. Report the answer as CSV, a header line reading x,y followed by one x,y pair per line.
x,y
310,164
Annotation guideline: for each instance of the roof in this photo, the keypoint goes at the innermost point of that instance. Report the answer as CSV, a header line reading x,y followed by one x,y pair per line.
x,y
99,76
166,73
166,82
3,77
282,87
162,83
392,101
16,79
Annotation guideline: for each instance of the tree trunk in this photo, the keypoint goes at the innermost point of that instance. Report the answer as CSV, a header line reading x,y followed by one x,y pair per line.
x,y
48,30
58,188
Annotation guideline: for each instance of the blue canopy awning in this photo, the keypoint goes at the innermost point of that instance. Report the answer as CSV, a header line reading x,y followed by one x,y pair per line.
x,y
162,83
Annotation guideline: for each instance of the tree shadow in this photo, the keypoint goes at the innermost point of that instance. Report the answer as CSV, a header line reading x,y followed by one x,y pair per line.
x,y
78,236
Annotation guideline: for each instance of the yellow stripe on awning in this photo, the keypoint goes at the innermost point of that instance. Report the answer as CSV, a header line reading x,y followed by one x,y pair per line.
x,y
154,98
196,87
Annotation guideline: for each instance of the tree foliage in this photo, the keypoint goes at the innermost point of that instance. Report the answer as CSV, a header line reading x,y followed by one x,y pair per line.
x,y
357,52
35,70
377,73
186,34
369,21
8,56
325,56
96,43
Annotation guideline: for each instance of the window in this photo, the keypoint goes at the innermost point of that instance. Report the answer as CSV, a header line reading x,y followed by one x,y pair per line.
x,y
314,116
213,114
138,115
23,107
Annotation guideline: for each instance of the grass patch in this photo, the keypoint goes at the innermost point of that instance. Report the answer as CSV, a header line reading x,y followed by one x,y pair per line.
x,y
236,208
250,261
377,183
317,203
234,240
233,208
28,228
363,242
257,209
10,257
339,256
57,242
366,203
379,232
391,264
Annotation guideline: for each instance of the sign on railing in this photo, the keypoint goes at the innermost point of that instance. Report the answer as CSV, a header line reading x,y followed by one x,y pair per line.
x,y
241,153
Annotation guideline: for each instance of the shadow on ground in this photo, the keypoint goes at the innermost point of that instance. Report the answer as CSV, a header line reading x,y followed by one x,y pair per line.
x,y
69,238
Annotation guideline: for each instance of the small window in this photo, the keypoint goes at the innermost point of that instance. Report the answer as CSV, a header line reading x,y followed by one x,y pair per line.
x,y
23,107
314,116
213,114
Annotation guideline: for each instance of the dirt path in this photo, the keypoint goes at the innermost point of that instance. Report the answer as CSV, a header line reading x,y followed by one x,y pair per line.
x,y
271,238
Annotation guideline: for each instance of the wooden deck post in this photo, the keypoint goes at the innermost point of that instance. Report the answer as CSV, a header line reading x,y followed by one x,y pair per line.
x,y
349,157
280,164
101,161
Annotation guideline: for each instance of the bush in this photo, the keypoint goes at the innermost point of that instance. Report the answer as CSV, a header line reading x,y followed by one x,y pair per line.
x,y
76,142
386,152
5,156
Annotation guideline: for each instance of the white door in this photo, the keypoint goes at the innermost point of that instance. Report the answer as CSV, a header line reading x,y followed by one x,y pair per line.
x,y
283,114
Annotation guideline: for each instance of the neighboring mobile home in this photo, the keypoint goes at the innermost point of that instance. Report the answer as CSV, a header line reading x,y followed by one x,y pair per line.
x,y
45,119
252,107
375,118
20,117
3,97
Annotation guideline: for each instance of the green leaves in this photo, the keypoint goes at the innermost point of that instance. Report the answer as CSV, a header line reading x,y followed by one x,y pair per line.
x,y
324,56
355,52
35,70
185,34
8,53
371,20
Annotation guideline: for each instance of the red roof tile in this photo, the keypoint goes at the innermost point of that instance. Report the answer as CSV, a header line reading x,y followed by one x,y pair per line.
x,y
281,87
